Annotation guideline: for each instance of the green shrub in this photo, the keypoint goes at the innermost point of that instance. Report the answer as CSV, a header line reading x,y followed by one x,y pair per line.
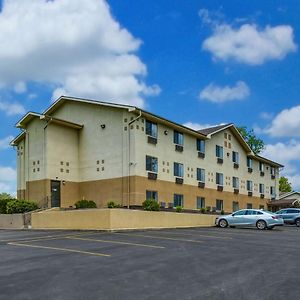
x,y
3,205
222,212
150,205
203,210
85,204
20,206
112,204
178,209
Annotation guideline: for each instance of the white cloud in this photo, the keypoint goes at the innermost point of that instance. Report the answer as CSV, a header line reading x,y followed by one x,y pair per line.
x,y
12,109
266,115
286,123
217,94
8,178
250,45
76,46
198,126
20,87
4,143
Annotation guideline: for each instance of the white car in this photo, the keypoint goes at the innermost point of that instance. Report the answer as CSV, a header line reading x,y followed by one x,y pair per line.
x,y
250,217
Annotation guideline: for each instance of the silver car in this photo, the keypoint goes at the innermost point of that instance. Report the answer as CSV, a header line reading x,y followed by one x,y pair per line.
x,y
290,215
250,217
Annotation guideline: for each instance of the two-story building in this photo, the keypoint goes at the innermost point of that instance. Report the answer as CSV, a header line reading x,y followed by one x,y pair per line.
x,y
103,152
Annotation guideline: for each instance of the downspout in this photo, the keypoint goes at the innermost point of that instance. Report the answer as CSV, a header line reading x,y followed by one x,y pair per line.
x,y
44,159
129,162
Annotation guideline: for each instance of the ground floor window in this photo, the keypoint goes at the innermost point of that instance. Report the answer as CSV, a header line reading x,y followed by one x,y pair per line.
x,y
219,204
261,207
152,195
178,200
200,202
235,206
249,205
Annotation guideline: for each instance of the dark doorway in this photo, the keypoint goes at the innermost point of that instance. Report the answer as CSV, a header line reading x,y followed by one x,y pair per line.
x,y
55,193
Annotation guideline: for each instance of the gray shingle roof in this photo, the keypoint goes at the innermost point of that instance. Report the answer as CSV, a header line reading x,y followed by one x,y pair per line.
x,y
210,130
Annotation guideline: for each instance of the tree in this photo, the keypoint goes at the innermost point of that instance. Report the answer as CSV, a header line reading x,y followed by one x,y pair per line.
x,y
255,143
5,196
284,185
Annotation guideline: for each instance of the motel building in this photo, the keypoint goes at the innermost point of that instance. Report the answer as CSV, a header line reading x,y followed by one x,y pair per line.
x,y
83,149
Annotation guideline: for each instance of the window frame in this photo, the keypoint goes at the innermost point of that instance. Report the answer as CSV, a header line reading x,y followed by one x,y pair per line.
x,y
249,185
235,157
178,138
220,201
218,176
155,169
199,145
249,162
152,125
178,197
201,172
180,169
200,200
237,181
219,151
152,192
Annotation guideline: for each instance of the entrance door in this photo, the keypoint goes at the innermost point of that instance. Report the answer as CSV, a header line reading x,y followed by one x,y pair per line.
x,y
55,193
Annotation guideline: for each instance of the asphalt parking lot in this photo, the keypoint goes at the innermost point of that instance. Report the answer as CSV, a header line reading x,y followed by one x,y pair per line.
x,y
192,263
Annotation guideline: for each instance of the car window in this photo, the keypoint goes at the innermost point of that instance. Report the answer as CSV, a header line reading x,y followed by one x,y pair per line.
x,y
239,213
282,211
260,213
292,211
251,212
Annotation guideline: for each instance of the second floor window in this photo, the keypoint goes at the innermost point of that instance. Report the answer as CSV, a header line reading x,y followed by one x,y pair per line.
x,y
235,157
178,169
272,171
151,129
219,151
151,164
235,182
261,188
249,162
178,138
201,175
201,146
219,178
249,185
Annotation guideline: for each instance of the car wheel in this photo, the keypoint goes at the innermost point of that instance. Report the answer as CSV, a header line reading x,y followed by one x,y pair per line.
x,y
261,225
297,222
223,223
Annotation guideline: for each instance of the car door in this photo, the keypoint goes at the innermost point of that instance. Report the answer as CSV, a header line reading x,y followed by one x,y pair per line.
x,y
251,217
283,214
291,215
238,218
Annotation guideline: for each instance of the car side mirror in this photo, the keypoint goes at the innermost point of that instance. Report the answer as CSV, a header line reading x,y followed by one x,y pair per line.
x,y
233,215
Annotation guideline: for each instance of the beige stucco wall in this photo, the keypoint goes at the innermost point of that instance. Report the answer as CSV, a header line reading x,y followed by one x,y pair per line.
x,y
11,221
111,219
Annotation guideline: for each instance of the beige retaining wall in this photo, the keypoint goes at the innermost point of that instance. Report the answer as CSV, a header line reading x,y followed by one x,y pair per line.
x,y
113,219
11,221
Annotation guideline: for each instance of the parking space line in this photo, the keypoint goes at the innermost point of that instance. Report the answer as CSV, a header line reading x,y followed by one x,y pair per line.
x,y
160,237
116,242
58,249
41,238
195,234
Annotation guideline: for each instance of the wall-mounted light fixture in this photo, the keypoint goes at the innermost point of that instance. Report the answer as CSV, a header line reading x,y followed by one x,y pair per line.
x,y
166,132
63,182
102,126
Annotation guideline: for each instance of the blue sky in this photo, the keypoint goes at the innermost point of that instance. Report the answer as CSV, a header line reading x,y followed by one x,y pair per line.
x,y
198,63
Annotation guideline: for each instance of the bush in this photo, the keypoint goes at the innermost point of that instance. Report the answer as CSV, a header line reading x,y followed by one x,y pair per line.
x,y
151,205
203,210
3,205
112,204
178,209
85,204
20,206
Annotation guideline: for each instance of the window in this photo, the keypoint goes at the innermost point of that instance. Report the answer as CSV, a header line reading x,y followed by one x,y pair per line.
x,y
249,162
178,200
272,191
219,178
261,167
151,129
235,157
261,188
235,182
235,206
178,138
249,185
178,169
200,202
219,204
261,207
151,195
151,164
249,205
201,146
272,171
219,151
201,175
